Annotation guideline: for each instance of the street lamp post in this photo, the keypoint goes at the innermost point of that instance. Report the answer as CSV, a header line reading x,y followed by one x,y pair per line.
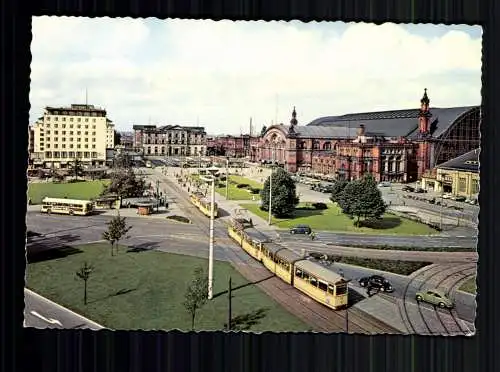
x,y
269,220
442,200
213,171
227,177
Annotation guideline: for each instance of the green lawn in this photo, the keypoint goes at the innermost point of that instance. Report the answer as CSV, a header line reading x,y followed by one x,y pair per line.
x,y
77,190
469,286
332,219
145,290
234,192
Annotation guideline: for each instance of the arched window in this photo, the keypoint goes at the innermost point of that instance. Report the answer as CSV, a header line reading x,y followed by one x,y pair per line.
x,y
316,145
327,146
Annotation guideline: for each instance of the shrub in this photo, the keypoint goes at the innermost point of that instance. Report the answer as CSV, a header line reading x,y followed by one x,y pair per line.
x,y
393,266
254,190
242,185
320,206
222,178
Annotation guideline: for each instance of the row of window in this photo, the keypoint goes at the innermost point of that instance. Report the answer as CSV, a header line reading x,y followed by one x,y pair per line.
x,y
78,126
56,132
70,119
70,139
63,146
165,142
78,113
70,154
341,289
462,185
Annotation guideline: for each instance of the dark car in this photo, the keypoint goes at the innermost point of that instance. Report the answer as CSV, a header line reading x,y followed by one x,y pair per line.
x,y
408,188
300,229
377,282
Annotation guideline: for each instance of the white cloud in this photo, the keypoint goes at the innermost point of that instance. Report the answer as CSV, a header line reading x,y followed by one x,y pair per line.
x,y
225,72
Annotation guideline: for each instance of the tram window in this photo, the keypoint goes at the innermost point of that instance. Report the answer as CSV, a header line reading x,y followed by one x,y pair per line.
x,y
305,276
330,289
341,289
313,281
322,285
298,273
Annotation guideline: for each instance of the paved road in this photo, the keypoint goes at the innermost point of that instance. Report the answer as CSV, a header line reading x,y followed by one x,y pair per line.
x,y
465,303
390,240
40,312
146,233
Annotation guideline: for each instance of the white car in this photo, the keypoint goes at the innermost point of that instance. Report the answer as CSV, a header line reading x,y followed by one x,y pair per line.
x,y
447,196
384,184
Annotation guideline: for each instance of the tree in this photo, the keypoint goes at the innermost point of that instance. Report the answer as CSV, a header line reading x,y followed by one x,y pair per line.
x,y
84,274
76,168
196,294
117,138
122,161
263,130
117,228
338,187
284,196
125,184
362,198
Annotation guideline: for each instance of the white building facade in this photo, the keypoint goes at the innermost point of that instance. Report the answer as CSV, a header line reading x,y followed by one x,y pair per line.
x,y
64,134
170,140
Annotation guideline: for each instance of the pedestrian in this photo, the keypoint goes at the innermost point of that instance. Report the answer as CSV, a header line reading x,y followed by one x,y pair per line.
x,y
313,235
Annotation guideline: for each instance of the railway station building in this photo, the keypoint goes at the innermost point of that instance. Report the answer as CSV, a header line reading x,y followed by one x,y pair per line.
x,y
396,146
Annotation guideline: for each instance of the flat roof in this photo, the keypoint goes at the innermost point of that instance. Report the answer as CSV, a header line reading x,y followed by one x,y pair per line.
x,y
319,271
256,235
63,200
288,255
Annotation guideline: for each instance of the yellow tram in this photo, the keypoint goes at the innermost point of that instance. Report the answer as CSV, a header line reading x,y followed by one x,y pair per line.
x,y
203,204
312,279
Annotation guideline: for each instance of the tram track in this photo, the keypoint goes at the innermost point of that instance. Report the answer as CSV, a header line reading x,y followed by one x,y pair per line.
x,y
415,320
321,318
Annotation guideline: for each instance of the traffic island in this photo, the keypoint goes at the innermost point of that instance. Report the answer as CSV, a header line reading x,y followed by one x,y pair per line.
x,y
177,218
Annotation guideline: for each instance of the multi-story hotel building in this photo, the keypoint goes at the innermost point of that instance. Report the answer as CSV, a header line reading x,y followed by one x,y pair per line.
x,y
170,140
63,134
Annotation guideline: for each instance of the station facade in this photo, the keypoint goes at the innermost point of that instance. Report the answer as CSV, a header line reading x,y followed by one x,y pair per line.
x,y
396,146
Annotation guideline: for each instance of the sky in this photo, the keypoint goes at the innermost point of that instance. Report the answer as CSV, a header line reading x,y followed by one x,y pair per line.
x,y
221,74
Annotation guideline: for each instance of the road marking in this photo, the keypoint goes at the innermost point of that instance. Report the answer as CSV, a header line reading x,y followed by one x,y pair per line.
x,y
48,320
56,305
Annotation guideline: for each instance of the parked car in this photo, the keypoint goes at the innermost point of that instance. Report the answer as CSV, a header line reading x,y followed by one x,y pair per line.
x,y
447,196
384,184
408,188
471,201
459,198
300,229
434,297
420,190
376,281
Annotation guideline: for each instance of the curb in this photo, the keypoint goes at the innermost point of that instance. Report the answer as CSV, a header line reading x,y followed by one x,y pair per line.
x,y
94,324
